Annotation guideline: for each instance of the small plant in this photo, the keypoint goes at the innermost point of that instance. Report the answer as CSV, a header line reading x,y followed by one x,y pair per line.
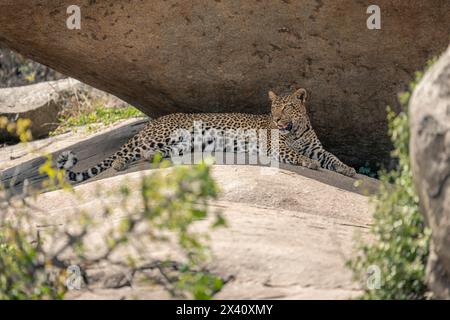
x,y
400,243
94,117
201,285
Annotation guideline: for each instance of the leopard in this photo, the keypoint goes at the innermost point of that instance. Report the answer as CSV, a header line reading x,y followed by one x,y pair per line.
x,y
289,114
182,133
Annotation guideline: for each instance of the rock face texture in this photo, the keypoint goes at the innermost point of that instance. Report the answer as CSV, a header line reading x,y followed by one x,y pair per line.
x,y
430,152
170,56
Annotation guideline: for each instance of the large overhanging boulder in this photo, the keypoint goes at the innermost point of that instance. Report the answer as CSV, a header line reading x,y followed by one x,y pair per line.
x,y
202,55
430,153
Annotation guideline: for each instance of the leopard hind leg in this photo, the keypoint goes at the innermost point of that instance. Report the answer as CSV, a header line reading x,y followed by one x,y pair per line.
x,y
124,158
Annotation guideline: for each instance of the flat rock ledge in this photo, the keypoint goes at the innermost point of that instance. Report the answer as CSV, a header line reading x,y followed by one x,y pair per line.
x,y
288,236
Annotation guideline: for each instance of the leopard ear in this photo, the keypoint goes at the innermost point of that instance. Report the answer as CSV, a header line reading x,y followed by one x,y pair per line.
x,y
301,94
272,96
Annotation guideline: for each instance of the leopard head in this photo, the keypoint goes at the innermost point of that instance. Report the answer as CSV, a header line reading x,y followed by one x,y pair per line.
x,y
288,112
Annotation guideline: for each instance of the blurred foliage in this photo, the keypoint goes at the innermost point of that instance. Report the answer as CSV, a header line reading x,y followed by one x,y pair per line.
x,y
164,209
399,247
19,128
24,270
201,285
15,70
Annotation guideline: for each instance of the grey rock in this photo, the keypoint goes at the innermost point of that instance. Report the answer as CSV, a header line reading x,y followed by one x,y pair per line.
x,y
43,102
40,103
430,154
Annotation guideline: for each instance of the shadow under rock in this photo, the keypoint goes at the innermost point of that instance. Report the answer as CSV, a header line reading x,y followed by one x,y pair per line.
x,y
95,149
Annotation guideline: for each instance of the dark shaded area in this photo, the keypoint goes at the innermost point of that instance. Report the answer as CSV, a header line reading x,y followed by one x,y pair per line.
x,y
16,70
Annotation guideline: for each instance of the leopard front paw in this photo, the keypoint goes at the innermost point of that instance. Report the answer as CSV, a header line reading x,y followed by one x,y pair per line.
x,y
346,171
311,164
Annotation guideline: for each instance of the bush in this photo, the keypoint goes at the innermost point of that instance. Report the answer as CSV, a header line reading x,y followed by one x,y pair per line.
x,y
44,263
399,248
